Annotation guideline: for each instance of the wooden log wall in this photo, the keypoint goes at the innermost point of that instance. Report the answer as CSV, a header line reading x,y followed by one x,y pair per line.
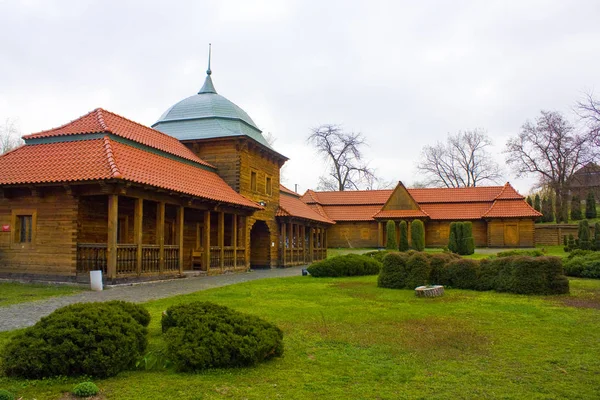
x,y
552,234
511,232
353,234
53,250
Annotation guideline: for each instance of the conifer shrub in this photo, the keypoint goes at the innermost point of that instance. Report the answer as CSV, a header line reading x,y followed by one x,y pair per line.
x,y
346,265
590,206
537,206
583,264
530,253
596,245
403,243
377,254
394,271
463,273
529,201
137,312
469,241
452,239
6,395
203,335
438,263
390,230
583,234
85,389
417,270
417,232
575,208
93,339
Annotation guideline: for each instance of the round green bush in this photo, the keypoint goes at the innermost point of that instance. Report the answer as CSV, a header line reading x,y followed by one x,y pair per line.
x,y
346,265
85,389
463,273
417,233
137,312
203,335
390,230
93,339
6,395
393,271
418,270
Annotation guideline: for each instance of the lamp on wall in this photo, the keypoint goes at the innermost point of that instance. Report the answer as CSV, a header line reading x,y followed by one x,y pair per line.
x,y
262,203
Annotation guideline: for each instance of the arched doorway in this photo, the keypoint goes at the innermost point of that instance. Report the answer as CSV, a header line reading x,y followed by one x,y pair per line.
x,y
260,245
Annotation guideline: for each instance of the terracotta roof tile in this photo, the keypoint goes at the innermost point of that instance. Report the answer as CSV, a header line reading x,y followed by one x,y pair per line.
x,y
512,208
455,195
456,211
101,159
349,197
288,191
351,212
509,192
292,206
400,214
102,121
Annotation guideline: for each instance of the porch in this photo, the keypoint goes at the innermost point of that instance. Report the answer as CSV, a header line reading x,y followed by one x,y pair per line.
x,y
301,243
132,237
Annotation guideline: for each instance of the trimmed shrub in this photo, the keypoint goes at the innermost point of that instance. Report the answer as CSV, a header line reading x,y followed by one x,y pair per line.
x,y
530,253
452,240
377,254
6,395
390,230
85,389
417,270
575,208
204,335
346,265
93,339
590,206
438,263
403,244
137,312
463,273
393,271
596,245
584,264
468,240
417,232
583,234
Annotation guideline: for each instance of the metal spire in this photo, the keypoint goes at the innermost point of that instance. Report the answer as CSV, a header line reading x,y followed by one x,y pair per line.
x,y
208,71
208,86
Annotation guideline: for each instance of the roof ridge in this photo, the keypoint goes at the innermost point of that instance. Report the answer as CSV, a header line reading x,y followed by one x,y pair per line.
x,y
101,119
111,159
60,126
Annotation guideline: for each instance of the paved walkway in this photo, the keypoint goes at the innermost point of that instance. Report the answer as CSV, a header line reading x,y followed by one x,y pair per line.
x,y
26,314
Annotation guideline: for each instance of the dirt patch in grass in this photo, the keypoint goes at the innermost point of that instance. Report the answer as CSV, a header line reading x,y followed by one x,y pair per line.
x,y
357,290
580,297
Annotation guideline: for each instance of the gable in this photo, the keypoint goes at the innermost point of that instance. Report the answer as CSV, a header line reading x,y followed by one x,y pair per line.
x,y
400,199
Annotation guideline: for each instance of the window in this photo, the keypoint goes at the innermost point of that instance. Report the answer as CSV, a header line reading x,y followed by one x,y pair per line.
x,y
24,226
253,181
269,186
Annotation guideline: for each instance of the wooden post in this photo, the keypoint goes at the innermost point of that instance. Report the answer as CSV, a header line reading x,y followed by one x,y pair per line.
x,y
324,243
283,243
160,235
291,239
221,239
311,244
111,245
379,234
303,243
206,243
180,223
138,224
245,240
234,234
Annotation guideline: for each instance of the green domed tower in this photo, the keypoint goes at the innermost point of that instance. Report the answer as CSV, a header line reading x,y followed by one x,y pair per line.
x,y
223,134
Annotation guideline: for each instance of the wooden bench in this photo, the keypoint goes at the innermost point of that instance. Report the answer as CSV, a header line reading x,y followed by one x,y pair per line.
x,y
196,260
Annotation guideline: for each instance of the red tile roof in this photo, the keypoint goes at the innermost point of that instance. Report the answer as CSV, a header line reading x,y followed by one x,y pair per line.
x,y
350,197
105,158
288,191
435,203
102,121
400,214
291,206
511,208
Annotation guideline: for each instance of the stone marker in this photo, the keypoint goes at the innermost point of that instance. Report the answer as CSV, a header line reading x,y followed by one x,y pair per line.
x,y
429,291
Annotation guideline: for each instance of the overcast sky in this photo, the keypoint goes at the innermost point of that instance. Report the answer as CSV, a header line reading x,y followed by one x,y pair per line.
x,y
404,74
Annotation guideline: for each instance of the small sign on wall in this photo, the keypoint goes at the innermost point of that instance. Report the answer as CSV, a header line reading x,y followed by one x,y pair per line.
x,y
5,228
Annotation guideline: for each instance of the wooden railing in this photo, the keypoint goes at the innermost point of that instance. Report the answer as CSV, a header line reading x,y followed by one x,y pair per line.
x,y
93,256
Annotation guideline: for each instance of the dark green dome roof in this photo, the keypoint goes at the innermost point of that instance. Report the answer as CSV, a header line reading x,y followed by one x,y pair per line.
x,y
207,115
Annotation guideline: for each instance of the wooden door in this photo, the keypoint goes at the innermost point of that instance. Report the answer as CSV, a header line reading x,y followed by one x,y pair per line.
x,y
511,235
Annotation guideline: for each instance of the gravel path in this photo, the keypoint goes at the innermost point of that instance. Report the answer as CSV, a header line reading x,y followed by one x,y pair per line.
x,y
26,314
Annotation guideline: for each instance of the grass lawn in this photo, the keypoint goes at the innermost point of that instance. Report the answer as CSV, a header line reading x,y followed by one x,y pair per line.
x,y
13,293
347,339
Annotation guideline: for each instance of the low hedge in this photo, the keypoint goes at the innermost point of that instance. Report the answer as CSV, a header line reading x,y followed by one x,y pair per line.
x,y
514,274
204,335
583,263
346,265
94,339
377,254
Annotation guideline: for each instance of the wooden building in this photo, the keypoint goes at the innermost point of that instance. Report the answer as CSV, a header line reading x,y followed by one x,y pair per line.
x,y
500,215
199,192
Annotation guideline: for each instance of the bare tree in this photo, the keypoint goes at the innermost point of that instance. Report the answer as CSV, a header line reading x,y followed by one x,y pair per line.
x,y
9,136
461,161
343,155
552,150
589,111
